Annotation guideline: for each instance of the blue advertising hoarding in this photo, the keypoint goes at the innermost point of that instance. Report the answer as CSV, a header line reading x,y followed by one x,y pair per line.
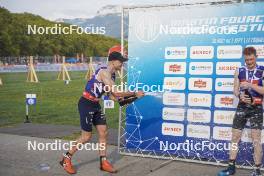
x,y
191,53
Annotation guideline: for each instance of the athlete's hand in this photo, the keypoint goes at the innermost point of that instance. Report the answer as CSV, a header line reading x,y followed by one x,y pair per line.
x,y
245,85
127,100
140,94
245,98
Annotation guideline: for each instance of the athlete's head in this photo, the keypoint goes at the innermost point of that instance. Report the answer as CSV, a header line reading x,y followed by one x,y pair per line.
x,y
250,55
117,60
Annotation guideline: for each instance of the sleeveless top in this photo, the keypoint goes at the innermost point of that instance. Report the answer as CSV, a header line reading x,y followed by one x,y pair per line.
x,y
254,76
94,87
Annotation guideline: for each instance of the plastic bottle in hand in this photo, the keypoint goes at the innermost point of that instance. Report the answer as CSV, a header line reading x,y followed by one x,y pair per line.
x,y
127,100
247,93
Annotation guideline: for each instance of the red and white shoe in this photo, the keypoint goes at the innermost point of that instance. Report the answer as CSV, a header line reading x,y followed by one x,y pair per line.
x,y
106,166
67,164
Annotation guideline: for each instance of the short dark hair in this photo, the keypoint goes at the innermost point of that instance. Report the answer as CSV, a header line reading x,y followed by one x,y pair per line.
x,y
250,50
116,56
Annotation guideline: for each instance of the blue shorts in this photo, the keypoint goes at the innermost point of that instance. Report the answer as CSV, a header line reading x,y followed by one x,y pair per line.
x,y
90,114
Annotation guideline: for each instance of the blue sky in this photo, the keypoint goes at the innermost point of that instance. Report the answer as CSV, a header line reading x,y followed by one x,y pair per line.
x,y
54,9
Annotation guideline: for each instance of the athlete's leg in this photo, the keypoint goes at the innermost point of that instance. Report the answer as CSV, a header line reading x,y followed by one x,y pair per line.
x,y
256,123
256,140
66,159
238,125
236,136
85,137
86,118
102,138
100,123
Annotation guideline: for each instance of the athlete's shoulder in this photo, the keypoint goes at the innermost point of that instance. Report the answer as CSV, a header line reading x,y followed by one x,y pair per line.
x,y
260,67
241,68
105,73
100,67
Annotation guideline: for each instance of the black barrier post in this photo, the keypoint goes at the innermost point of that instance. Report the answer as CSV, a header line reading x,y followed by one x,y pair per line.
x,y
27,119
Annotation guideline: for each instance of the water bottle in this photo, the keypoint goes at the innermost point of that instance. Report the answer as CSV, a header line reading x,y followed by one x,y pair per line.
x,y
247,93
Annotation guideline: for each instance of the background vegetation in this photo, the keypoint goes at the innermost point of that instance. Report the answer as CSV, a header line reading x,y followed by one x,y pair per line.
x,y
14,40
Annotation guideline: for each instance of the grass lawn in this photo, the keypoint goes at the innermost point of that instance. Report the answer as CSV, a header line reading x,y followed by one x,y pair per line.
x,y
56,102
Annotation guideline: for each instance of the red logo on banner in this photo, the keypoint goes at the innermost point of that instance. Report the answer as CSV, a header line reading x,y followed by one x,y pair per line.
x,y
200,84
175,68
201,52
227,101
172,129
228,68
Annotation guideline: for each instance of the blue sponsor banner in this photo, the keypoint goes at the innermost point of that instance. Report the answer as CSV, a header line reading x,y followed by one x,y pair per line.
x,y
192,52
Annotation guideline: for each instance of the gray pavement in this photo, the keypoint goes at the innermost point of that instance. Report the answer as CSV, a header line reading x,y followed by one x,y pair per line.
x,y
52,131
16,159
40,130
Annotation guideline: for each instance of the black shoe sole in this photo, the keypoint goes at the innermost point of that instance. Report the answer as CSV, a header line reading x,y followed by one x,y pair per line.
x,y
61,163
107,171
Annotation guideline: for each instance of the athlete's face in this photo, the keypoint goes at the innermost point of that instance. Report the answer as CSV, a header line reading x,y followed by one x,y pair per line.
x,y
250,61
118,65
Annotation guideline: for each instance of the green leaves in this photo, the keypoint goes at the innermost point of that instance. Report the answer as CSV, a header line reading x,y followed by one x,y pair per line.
x,y
15,40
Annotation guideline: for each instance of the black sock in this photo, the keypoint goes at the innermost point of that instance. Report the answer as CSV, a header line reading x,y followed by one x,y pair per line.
x,y
68,154
257,169
232,162
102,158
257,166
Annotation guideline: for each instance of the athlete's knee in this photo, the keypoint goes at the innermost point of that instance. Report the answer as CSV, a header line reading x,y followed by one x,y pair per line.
x,y
236,135
86,137
256,137
235,139
103,133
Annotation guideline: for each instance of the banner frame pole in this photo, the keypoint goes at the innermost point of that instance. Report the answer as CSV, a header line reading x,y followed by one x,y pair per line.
x,y
121,78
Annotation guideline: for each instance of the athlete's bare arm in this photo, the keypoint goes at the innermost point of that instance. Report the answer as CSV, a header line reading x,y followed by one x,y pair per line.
x,y
105,77
236,84
236,90
112,97
257,88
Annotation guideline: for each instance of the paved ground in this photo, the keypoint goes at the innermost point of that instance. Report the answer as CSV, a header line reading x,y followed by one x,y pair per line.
x,y
40,130
16,159
52,131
